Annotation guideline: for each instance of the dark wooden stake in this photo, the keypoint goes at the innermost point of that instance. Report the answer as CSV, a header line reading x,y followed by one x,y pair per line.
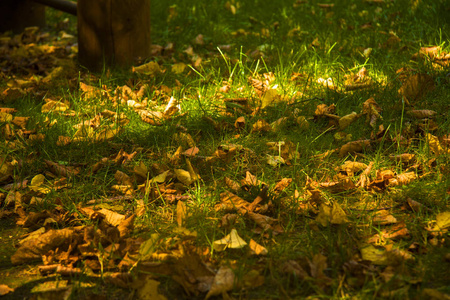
x,y
16,15
113,32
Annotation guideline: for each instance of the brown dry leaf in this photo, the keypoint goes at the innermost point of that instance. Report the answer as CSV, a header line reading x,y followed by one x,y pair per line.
x,y
33,249
113,218
265,222
257,248
402,179
383,217
253,279
261,126
282,185
353,147
352,167
239,124
126,226
421,113
223,282
123,179
396,231
317,266
416,206
232,184
404,157
323,109
415,87
372,111
229,202
61,170
181,213
293,267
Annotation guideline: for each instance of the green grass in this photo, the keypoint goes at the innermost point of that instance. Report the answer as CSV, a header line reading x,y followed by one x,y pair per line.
x,y
262,37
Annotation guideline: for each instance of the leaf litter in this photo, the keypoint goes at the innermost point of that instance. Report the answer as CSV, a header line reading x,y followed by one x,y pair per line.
x,y
344,192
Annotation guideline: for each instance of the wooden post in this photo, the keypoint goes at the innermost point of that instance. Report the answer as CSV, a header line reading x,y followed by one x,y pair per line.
x,y
113,32
16,15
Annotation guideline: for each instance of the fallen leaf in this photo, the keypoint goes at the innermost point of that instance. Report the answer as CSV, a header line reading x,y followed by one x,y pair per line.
x,y
232,241
223,282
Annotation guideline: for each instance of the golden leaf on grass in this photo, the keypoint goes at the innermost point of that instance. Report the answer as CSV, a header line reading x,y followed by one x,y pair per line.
x,y
161,178
6,169
5,117
383,217
302,122
257,248
333,215
435,145
230,201
172,107
181,213
402,179
323,109
352,147
151,117
415,87
232,241
4,289
261,126
376,255
183,176
106,134
404,157
148,247
32,250
55,106
141,170
269,97
223,282
232,184
178,68
191,152
421,113
442,221
61,170
352,167
346,120
396,231
275,161
265,222
148,290
123,179
37,184
112,217
150,69
372,111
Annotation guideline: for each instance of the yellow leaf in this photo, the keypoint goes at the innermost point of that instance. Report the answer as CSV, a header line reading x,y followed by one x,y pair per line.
x,y
149,290
51,105
183,176
269,97
443,220
345,121
257,248
160,178
232,240
375,255
5,117
37,184
338,215
181,213
148,247
178,68
151,69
